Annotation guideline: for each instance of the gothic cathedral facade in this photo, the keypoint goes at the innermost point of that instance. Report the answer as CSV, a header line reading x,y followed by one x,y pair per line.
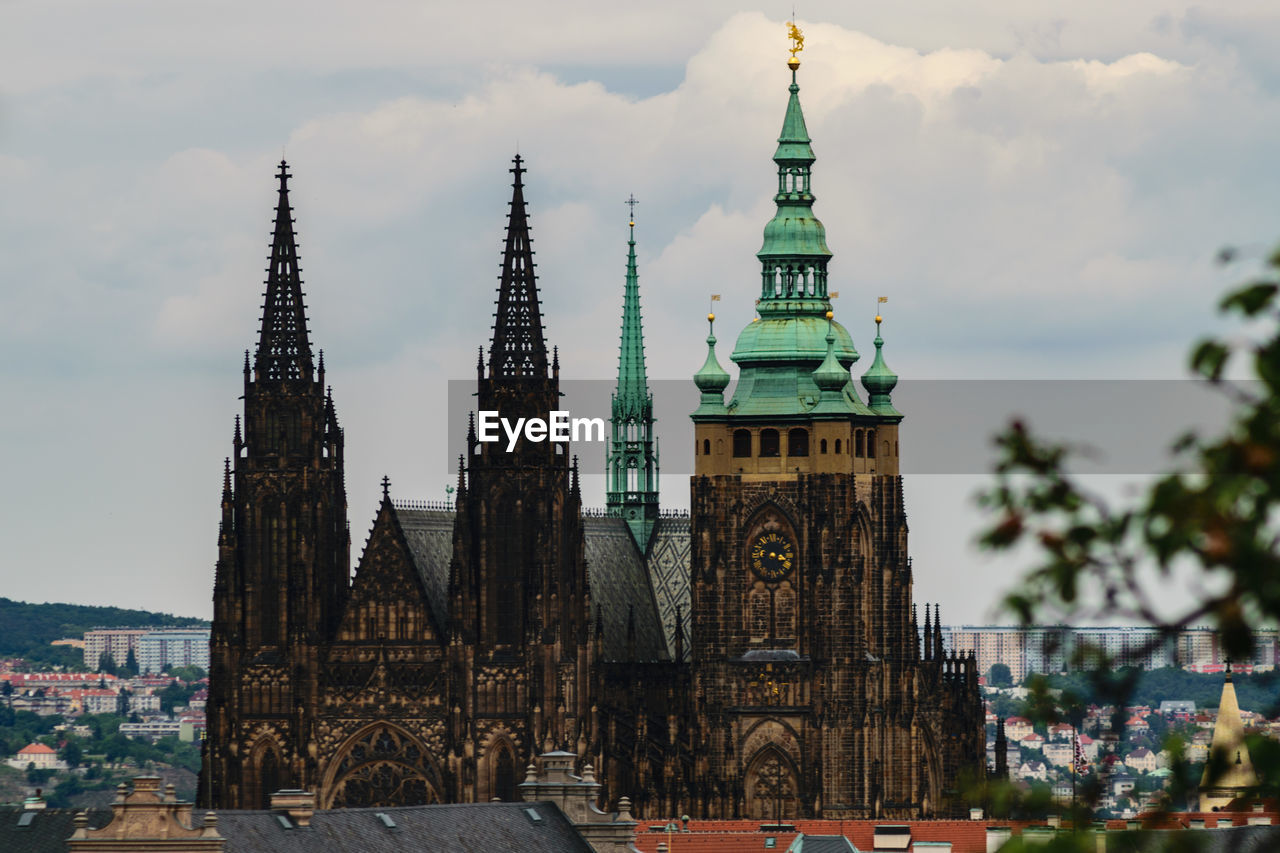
x,y
759,657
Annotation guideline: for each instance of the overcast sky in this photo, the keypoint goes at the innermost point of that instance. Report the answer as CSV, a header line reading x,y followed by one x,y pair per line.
x,y
1040,193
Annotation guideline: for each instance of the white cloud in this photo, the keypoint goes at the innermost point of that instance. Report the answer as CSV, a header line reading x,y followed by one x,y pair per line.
x,y
1017,184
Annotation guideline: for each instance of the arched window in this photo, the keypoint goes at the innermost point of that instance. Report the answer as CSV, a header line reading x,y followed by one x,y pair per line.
x,y
822,446
837,445
504,776
871,444
741,443
758,614
857,447
784,613
706,447
770,445
798,442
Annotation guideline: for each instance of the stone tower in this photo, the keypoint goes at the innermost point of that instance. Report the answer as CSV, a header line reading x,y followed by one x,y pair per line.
x,y
520,646
813,699
283,553
632,464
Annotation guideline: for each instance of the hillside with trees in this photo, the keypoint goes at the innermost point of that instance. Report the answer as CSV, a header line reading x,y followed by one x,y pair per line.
x,y
26,630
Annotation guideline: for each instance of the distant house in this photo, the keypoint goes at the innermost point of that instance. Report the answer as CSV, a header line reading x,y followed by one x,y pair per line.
x,y
1034,770
1017,728
1061,731
1142,759
1058,754
43,757
1180,708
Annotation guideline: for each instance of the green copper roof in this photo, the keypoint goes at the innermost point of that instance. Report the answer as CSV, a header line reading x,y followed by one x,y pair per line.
x,y
632,397
779,352
711,378
879,381
793,142
794,231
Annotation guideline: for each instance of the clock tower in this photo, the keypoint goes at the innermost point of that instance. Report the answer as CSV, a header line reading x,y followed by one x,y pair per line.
x,y
813,699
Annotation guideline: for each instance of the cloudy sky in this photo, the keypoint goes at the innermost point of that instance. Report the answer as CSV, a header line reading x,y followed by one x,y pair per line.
x,y
1040,192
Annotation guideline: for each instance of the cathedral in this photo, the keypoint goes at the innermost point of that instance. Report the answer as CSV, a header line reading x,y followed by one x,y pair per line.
x,y
760,658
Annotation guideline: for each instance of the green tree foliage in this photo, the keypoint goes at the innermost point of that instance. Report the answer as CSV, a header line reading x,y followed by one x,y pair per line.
x,y
999,675
106,663
72,753
131,664
24,627
1218,513
187,673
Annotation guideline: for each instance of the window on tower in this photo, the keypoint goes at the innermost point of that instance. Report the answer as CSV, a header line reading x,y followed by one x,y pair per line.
x,y
798,442
770,444
822,446
741,443
871,444
706,447
857,446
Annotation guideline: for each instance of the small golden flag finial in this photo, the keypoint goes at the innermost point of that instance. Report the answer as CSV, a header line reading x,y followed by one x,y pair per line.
x,y
797,44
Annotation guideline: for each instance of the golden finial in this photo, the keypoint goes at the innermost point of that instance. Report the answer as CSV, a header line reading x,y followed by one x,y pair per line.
x,y
711,318
797,44
831,315
879,319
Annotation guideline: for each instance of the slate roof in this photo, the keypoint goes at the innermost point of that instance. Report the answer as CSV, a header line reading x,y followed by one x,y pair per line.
x,y
668,566
461,828
622,581
619,588
430,537
47,830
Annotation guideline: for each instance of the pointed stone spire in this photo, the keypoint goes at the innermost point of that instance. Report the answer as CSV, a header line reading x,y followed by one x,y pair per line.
x,y
632,461
518,349
915,635
1002,750
462,479
284,353
1229,754
928,634
937,630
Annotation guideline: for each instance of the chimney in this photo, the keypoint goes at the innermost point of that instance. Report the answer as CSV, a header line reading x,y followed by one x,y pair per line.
x,y
298,805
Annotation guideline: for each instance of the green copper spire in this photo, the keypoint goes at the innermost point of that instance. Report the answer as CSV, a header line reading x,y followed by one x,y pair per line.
x,y
632,461
711,378
779,352
879,380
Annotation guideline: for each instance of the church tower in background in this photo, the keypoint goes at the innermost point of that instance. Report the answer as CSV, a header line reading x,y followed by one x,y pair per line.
x,y
283,553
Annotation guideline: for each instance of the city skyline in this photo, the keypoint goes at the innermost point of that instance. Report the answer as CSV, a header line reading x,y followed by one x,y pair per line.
x,y
1034,195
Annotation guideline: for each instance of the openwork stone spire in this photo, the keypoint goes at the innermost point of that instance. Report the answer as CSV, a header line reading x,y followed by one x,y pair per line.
x,y
518,349
283,349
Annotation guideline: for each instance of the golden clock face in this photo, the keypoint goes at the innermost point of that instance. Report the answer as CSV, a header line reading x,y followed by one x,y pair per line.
x,y
772,556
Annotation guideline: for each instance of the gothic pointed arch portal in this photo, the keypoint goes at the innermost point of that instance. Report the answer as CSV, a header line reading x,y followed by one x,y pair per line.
x,y
266,774
382,765
772,787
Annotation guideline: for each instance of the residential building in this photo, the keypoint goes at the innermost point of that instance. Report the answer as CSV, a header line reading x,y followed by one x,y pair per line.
x,y
157,650
117,642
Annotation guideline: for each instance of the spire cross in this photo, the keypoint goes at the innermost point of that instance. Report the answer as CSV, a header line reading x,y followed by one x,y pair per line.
x,y
631,202
517,170
386,486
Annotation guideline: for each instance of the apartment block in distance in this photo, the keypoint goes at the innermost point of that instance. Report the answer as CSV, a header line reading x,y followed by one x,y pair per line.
x,y
174,647
117,642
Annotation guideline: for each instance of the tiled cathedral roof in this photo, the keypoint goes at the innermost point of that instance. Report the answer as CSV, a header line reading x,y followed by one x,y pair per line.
x,y
622,583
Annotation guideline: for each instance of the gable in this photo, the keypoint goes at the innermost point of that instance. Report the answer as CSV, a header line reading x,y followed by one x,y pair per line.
x,y
388,600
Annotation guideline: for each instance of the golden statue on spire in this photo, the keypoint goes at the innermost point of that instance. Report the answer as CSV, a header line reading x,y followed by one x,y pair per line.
x,y
797,44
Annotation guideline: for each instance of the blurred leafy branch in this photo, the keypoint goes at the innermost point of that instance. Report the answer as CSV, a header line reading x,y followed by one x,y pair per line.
x,y
1217,515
